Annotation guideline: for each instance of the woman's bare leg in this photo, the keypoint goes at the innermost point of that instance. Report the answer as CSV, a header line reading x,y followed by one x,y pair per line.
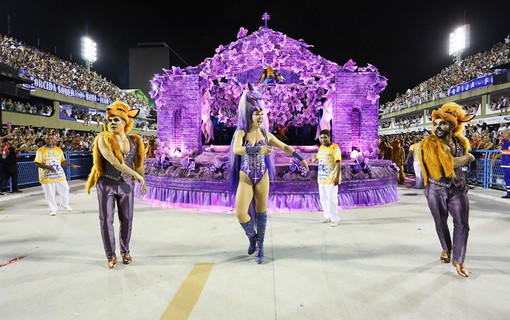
x,y
244,195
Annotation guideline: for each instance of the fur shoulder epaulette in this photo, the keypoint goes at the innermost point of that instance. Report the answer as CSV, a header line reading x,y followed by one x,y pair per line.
x,y
110,141
435,160
140,151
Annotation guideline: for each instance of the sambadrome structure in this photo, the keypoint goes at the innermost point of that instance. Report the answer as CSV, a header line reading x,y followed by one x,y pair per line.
x,y
189,171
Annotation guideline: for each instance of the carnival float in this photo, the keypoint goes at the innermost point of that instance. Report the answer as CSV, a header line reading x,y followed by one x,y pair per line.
x,y
300,90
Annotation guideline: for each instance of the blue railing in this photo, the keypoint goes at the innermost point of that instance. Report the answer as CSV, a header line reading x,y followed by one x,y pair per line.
x,y
487,173
28,172
482,172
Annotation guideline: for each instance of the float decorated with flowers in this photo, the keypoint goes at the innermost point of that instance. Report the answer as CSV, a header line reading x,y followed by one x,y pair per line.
x,y
301,91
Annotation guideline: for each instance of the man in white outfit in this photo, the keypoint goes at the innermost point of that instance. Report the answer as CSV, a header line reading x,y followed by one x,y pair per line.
x,y
329,176
50,159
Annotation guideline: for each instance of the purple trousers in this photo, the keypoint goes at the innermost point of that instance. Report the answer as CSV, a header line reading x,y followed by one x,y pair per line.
x,y
111,193
452,200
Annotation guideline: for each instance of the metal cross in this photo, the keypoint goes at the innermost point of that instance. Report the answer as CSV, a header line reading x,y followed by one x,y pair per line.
x,y
265,17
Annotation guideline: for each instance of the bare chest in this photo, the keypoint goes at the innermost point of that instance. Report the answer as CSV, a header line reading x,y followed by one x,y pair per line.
x,y
124,145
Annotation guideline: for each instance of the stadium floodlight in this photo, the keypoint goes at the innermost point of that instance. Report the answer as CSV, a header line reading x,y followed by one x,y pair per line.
x,y
88,51
459,41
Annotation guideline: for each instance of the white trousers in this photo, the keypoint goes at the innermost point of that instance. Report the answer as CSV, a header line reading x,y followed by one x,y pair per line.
x,y
50,190
417,174
328,194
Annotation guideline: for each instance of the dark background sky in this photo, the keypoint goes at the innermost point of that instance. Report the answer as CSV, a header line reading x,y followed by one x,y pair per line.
x,y
406,40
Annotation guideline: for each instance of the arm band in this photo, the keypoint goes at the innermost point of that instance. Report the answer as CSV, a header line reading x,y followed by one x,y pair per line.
x,y
252,150
296,155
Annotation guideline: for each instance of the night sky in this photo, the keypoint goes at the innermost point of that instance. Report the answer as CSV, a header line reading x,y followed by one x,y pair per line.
x,y
406,40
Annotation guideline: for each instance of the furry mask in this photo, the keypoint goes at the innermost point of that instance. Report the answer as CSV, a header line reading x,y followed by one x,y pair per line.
x,y
454,114
122,110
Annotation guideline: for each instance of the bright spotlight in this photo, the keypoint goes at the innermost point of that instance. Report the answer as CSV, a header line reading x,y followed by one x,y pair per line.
x,y
88,51
459,41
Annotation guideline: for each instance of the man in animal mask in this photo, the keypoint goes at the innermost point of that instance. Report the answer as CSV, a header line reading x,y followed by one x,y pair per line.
x,y
444,157
118,163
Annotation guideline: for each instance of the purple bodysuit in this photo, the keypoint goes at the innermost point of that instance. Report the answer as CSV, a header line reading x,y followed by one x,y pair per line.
x,y
254,165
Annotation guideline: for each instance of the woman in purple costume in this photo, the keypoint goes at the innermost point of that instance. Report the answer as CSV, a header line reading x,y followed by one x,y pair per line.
x,y
253,167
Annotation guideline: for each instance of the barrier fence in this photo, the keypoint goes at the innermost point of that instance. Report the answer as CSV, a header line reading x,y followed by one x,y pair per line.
x,y
481,172
485,172
28,172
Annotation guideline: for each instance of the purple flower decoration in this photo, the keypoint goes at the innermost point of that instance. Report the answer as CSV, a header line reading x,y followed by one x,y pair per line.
x,y
294,167
242,33
166,163
355,168
367,169
188,163
185,162
220,164
350,65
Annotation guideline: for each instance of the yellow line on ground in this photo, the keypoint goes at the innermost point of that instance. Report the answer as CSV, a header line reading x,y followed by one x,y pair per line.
x,y
184,300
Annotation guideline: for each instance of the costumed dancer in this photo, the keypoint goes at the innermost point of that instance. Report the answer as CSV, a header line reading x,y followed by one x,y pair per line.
x,y
269,76
444,157
118,162
252,167
398,157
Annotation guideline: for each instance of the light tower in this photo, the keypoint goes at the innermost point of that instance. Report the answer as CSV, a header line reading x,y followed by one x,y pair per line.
x,y
459,41
88,51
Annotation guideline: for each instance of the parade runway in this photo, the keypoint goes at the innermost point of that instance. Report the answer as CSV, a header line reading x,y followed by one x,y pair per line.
x,y
380,263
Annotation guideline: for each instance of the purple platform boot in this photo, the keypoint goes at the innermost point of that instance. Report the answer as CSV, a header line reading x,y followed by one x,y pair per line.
x,y
249,229
261,232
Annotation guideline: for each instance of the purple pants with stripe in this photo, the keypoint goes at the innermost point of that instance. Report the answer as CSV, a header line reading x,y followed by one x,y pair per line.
x,y
111,193
452,200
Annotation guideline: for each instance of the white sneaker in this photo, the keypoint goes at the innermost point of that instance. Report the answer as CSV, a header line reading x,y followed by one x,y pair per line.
x,y
53,213
333,224
326,220
68,208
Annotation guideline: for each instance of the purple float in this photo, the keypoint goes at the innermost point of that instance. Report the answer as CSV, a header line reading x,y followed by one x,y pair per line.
x,y
308,90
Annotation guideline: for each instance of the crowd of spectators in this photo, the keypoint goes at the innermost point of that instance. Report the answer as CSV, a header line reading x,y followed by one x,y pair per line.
x,y
8,104
435,88
27,139
482,136
502,104
84,115
407,122
42,65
